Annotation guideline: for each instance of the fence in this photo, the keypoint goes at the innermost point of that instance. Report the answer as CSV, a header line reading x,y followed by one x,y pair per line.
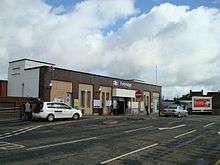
x,y
10,108
13,113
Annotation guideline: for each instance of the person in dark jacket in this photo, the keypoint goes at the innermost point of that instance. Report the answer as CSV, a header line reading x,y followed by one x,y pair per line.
x,y
146,108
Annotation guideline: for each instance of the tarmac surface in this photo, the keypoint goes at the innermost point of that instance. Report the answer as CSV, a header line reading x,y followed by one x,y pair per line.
x,y
113,140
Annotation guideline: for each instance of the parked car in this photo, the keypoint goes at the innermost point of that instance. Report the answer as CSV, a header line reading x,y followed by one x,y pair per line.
x,y
174,110
56,110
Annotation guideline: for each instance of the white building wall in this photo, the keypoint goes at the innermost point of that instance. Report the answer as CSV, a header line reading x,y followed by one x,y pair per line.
x,y
15,78
23,82
31,82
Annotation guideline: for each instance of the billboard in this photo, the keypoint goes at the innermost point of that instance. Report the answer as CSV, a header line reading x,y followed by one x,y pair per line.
x,y
201,103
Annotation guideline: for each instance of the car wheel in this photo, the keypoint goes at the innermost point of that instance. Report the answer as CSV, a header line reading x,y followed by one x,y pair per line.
x,y
179,115
50,118
76,116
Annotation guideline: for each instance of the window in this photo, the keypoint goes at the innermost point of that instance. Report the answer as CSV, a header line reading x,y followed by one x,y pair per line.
x,y
172,107
82,99
64,106
88,99
58,105
50,105
55,105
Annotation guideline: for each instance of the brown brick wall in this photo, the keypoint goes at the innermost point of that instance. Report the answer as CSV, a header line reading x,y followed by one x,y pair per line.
x,y
46,75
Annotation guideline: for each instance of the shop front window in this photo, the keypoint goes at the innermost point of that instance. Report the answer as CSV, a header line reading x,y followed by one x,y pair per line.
x,y
88,99
82,99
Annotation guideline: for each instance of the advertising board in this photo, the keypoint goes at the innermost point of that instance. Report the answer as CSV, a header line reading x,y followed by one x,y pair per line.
x,y
202,103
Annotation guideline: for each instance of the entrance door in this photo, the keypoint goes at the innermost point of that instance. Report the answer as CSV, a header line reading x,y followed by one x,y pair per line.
x,y
121,106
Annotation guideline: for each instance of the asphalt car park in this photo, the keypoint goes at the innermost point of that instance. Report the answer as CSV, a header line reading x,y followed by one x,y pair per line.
x,y
113,140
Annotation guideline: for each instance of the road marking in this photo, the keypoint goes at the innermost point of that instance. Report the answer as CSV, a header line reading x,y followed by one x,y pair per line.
x,y
8,133
133,130
184,134
208,125
178,126
59,144
129,153
10,146
218,133
14,133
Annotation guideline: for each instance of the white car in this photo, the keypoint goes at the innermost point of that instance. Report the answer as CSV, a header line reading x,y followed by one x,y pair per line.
x,y
56,110
174,110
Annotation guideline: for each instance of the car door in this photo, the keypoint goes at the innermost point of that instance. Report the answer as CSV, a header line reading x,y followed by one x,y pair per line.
x,y
67,111
58,110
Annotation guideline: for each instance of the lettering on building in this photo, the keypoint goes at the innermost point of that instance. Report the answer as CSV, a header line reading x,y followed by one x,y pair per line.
x,y
121,84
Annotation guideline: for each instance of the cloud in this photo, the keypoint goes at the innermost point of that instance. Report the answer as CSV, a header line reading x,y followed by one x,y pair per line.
x,y
183,43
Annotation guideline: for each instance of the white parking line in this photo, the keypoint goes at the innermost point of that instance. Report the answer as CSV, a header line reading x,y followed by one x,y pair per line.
x,y
208,125
10,146
184,134
14,133
178,126
59,144
133,130
8,133
129,153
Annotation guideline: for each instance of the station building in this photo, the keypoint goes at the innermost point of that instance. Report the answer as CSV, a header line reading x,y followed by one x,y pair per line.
x,y
89,92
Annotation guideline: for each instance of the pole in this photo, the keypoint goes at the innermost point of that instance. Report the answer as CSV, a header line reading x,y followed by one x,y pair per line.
x,y
156,74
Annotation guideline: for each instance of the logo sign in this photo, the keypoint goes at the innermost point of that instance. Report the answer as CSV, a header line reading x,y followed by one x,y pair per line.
x,y
139,95
115,83
121,84
202,103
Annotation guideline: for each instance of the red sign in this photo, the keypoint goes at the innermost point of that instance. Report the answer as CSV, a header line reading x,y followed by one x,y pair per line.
x,y
139,95
201,103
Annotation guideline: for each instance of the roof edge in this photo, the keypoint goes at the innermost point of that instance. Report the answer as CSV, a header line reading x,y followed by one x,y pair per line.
x,y
32,60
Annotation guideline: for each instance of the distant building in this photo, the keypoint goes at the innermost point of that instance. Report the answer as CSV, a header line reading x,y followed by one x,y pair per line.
x,y
187,99
196,93
3,87
215,101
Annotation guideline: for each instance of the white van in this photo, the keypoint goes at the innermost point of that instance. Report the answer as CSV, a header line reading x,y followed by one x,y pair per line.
x,y
56,110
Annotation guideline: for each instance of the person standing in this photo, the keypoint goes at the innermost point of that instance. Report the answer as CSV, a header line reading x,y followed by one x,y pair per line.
x,y
28,110
146,108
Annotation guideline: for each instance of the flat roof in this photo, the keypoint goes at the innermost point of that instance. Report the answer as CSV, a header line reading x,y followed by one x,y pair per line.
x,y
27,59
92,74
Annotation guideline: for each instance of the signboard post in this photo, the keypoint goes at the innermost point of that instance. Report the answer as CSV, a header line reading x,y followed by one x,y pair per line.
x,y
139,96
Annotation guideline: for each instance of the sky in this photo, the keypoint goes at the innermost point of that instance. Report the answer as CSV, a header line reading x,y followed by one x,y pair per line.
x,y
120,38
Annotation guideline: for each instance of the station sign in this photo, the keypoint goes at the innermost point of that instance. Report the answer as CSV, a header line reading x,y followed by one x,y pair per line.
x,y
121,84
